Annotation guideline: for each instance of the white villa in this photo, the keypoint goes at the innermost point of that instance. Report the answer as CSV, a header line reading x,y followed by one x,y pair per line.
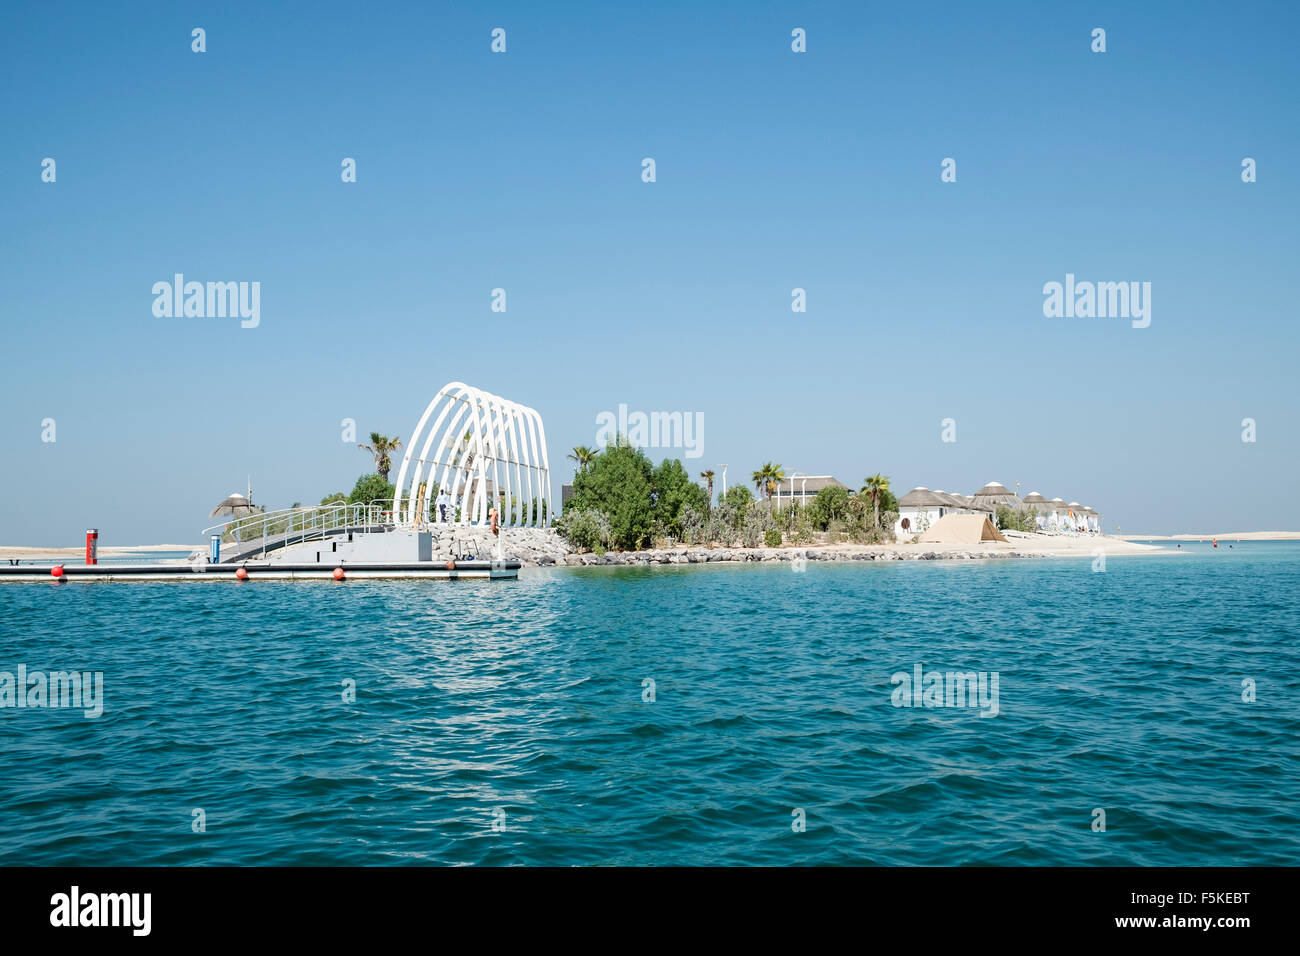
x,y
802,489
1057,516
920,508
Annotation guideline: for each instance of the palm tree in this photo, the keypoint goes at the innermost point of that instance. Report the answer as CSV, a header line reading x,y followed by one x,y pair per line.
x,y
875,487
767,478
708,476
584,456
380,446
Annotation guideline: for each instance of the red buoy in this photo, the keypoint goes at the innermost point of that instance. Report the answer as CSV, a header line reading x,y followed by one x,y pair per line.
x,y
57,572
451,565
338,574
241,574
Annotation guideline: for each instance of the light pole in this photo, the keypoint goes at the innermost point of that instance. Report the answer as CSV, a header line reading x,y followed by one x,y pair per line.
x,y
724,481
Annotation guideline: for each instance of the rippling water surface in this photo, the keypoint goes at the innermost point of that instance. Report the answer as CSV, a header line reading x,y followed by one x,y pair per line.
x,y
505,723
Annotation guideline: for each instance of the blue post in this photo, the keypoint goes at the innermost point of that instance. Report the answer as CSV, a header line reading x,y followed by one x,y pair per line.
x,y
216,548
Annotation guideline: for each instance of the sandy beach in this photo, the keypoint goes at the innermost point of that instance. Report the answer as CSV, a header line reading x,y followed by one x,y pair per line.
x,y
1221,535
28,553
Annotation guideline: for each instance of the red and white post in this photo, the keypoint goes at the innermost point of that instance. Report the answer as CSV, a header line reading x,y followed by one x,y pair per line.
x,y
92,546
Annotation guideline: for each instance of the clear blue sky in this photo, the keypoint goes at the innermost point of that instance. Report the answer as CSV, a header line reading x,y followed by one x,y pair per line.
x,y
775,170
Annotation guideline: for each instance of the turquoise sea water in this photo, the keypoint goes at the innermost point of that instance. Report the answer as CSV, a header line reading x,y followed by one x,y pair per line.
x,y
506,723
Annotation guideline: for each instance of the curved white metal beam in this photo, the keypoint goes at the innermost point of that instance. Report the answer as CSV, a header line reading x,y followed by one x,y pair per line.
x,y
475,437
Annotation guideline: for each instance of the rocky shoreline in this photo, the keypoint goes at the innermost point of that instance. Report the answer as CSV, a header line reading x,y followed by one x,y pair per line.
x,y
709,556
542,547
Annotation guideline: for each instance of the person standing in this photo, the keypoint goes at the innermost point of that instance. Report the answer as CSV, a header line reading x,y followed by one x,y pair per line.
x,y
443,501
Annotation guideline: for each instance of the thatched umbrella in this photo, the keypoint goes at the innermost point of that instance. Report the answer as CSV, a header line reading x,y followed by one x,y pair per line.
x,y
954,501
234,505
1038,503
995,493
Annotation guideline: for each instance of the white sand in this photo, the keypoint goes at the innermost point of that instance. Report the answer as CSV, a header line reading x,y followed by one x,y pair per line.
x,y
67,554
1221,535
1028,544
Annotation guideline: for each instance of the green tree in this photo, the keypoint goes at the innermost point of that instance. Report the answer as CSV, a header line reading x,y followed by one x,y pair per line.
x,y
380,446
830,504
618,484
875,488
336,498
371,488
673,490
738,499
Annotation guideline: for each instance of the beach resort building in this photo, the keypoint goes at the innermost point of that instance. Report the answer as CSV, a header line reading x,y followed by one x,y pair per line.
x,y
1041,507
1082,518
802,489
1092,519
921,508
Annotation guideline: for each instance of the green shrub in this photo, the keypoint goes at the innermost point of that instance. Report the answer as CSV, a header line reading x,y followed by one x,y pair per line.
x,y
694,523
1016,519
756,523
772,538
721,526
585,529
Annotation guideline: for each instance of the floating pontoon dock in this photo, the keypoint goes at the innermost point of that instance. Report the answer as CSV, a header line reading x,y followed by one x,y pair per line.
x,y
260,571
487,454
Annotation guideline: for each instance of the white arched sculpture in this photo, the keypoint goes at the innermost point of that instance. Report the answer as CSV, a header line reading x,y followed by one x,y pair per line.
x,y
479,447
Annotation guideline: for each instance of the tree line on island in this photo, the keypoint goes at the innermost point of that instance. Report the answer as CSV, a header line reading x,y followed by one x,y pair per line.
x,y
622,501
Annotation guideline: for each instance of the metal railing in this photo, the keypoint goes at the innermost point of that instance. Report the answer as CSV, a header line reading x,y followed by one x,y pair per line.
x,y
289,526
